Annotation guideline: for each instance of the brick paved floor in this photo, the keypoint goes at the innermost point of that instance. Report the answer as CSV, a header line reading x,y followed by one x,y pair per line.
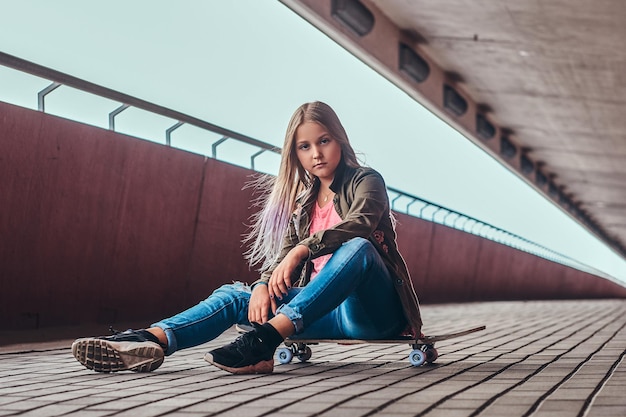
x,y
552,358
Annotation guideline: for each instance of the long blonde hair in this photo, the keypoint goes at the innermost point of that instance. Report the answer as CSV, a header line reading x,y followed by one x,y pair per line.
x,y
279,194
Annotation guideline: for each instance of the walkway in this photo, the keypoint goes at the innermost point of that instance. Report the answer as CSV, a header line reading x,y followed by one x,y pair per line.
x,y
552,358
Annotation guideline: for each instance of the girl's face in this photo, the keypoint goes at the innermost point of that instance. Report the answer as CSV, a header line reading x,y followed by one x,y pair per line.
x,y
318,153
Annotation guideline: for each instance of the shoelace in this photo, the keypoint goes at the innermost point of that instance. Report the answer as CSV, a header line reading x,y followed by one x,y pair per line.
x,y
115,332
248,341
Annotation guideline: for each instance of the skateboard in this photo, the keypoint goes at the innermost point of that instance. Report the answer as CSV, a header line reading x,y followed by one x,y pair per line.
x,y
423,348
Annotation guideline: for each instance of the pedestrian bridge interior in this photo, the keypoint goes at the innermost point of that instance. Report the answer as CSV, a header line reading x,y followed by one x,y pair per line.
x,y
97,217
103,228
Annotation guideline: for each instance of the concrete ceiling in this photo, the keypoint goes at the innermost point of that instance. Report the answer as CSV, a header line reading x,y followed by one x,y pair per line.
x,y
550,76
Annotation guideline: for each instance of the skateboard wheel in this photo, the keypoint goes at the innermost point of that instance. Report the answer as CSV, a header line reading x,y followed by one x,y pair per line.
x,y
431,354
305,354
284,355
417,357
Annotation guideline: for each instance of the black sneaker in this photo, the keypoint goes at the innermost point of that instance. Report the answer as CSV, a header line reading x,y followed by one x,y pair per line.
x,y
132,350
250,353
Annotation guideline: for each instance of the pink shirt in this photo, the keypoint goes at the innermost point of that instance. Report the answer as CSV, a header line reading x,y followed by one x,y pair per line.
x,y
322,218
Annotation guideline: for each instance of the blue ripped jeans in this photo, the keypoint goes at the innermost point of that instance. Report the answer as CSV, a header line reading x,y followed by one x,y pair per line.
x,y
352,297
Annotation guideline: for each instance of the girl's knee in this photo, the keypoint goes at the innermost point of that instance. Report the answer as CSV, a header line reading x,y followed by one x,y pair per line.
x,y
236,290
360,244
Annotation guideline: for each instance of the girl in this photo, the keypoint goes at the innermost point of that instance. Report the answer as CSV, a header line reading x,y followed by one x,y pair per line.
x,y
331,268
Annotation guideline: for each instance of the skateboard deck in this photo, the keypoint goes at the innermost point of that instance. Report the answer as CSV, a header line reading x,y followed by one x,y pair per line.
x,y
423,347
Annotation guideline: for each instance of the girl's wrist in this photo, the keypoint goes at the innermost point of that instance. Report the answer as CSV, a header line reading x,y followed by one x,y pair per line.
x,y
303,251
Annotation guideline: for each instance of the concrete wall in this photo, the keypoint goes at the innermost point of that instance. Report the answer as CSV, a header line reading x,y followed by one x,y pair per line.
x,y
96,226
100,227
448,265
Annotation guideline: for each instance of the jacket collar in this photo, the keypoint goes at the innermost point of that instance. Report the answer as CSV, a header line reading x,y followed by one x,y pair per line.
x,y
342,174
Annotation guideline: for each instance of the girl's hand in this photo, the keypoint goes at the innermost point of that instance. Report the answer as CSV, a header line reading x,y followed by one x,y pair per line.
x,y
260,304
280,281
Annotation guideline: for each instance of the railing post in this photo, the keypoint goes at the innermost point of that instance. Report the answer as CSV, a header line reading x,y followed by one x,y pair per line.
x,y
41,96
216,144
460,218
168,133
115,113
445,218
253,157
408,206
471,228
432,218
393,202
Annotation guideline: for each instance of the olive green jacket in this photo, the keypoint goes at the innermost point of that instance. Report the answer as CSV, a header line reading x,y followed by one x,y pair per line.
x,y
362,202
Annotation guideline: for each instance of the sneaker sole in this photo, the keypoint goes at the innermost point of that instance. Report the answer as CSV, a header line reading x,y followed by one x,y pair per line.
x,y
263,367
107,356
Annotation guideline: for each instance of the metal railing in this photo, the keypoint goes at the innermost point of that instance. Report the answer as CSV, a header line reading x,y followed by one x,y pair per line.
x,y
433,212
61,79
427,210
